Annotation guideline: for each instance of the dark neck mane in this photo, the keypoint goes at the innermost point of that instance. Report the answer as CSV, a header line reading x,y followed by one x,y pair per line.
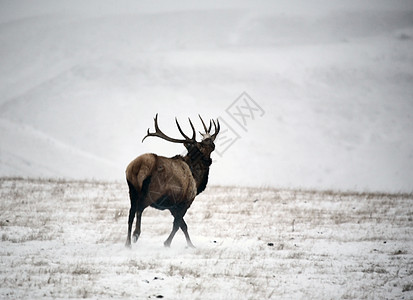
x,y
199,165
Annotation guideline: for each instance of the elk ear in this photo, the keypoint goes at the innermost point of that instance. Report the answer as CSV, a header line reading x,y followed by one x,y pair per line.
x,y
187,145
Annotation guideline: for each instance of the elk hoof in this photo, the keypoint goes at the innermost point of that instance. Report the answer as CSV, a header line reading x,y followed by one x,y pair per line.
x,y
135,238
167,245
128,245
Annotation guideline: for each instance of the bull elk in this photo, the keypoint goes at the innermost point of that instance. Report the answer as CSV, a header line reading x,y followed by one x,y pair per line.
x,y
170,183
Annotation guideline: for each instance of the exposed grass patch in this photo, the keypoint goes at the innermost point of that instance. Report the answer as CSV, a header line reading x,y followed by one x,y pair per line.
x,y
407,287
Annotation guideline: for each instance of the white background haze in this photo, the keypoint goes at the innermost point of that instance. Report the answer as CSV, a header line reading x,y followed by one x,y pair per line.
x,y
80,83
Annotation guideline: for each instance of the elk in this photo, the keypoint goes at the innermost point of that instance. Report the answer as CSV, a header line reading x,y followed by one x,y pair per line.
x,y
170,183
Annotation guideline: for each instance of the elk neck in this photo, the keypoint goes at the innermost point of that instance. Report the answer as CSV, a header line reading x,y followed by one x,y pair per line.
x,y
199,165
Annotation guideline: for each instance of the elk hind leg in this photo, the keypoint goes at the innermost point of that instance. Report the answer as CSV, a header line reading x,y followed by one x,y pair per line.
x,y
133,209
137,231
130,223
140,207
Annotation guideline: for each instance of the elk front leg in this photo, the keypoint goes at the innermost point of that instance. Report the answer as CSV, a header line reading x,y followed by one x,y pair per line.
x,y
179,223
184,228
176,225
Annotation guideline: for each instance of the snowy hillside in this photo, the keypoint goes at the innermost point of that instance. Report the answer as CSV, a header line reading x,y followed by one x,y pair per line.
x,y
333,84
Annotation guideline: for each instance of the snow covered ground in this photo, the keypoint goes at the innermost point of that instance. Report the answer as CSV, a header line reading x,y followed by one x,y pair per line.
x,y
64,239
80,83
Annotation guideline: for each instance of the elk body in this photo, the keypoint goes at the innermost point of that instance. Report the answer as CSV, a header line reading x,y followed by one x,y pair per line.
x,y
170,183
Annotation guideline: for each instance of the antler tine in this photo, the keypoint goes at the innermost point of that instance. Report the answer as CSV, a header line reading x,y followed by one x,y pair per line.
x,y
156,124
205,128
217,129
193,129
180,130
162,135
156,127
183,134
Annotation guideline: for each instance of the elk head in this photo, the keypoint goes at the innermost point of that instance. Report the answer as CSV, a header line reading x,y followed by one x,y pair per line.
x,y
195,149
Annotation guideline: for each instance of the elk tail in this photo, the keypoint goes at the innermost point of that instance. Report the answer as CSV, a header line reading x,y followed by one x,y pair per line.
x,y
138,173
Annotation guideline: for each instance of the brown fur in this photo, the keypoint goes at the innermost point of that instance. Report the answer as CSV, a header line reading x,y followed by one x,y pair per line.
x,y
139,169
169,177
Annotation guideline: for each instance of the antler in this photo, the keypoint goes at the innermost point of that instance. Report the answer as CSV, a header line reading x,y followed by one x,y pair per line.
x,y
183,134
207,133
206,130
162,135
217,129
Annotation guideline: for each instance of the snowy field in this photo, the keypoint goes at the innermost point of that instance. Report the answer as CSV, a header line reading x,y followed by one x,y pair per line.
x,y
64,239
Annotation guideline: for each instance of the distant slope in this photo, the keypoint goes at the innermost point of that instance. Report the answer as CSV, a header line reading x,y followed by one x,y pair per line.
x,y
46,156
